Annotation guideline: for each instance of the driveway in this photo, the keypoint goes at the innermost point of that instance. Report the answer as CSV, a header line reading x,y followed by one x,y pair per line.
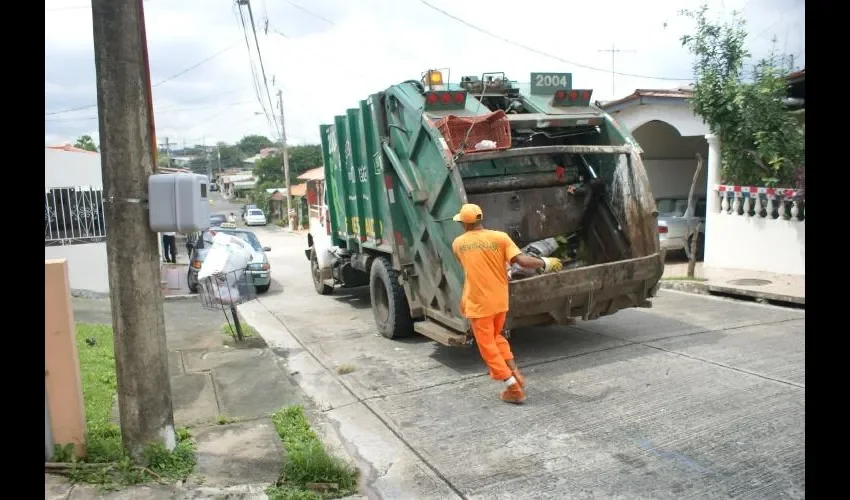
x,y
698,397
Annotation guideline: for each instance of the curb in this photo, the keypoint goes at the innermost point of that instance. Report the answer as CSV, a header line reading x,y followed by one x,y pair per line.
x,y
181,297
703,288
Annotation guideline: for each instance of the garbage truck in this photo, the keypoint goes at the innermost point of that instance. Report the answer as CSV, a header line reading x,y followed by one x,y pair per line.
x,y
544,163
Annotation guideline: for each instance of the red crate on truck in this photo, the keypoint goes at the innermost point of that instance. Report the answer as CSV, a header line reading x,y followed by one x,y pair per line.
x,y
492,127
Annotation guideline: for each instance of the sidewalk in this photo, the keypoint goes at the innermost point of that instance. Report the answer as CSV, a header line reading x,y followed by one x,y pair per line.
x,y
213,380
754,284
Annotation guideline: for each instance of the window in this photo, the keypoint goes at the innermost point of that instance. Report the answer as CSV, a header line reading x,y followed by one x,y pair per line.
x,y
255,212
671,207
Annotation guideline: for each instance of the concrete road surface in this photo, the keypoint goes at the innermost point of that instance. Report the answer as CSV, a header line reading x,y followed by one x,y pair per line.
x,y
698,397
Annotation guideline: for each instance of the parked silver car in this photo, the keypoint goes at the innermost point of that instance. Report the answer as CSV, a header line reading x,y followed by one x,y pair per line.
x,y
675,229
258,269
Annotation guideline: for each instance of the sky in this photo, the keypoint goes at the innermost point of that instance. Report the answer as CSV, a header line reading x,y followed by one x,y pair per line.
x,y
326,55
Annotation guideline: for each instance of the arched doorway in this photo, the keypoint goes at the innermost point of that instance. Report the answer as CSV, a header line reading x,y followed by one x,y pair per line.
x,y
670,158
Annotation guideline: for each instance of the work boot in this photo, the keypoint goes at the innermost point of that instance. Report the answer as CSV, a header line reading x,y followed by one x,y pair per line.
x,y
513,394
519,378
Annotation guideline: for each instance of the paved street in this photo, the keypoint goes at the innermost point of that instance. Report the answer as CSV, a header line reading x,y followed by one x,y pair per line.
x,y
698,397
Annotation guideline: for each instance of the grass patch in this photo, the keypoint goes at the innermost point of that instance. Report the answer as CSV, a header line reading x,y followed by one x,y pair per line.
x,y
344,369
309,471
247,330
683,278
224,420
106,462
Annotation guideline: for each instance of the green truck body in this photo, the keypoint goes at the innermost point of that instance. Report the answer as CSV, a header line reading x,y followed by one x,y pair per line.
x,y
393,181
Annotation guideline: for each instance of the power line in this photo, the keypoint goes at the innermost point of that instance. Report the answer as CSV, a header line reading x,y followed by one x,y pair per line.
x,y
542,53
172,77
79,7
256,82
160,112
240,122
260,56
310,12
190,68
614,51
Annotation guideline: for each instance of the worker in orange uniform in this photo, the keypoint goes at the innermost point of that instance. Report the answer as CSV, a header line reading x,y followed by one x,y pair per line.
x,y
483,254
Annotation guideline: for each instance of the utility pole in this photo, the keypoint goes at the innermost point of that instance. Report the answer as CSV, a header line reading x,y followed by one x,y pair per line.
x,y
168,150
284,153
128,152
614,50
207,158
218,156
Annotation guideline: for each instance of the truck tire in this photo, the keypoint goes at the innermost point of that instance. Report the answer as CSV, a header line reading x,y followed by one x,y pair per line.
x,y
318,284
389,303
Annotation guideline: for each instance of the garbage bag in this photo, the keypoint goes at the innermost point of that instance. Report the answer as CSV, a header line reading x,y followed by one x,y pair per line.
x,y
541,248
228,255
485,145
226,294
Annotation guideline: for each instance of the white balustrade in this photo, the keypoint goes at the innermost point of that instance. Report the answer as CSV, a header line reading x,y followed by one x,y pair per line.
x,y
761,203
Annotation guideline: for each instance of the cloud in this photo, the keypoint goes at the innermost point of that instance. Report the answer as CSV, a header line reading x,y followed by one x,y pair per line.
x,y
329,59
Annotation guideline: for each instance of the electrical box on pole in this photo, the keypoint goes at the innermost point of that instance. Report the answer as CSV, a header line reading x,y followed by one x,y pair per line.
x,y
178,202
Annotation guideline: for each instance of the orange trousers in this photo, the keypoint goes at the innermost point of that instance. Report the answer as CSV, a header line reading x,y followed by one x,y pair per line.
x,y
492,345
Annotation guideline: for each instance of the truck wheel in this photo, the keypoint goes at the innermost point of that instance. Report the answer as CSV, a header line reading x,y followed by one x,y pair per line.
x,y
318,284
389,304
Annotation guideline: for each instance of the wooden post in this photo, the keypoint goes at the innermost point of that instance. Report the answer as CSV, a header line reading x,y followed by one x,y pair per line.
x,y
63,384
692,260
689,214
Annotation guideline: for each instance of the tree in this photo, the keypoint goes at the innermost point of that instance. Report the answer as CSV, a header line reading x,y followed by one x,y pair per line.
x,y
86,142
301,159
762,144
231,156
252,144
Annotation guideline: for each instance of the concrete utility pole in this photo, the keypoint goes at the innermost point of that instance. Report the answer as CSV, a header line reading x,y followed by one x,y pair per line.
x,y
127,160
614,50
218,156
284,153
168,150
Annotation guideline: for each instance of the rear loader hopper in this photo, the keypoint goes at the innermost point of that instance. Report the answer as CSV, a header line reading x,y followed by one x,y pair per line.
x,y
547,167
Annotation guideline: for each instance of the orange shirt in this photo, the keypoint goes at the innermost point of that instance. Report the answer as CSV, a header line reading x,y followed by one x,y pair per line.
x,y
484,255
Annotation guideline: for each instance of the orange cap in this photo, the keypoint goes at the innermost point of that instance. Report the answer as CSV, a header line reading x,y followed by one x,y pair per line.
x,y
469,214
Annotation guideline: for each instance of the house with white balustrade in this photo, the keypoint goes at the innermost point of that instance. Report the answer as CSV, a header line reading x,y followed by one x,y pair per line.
x,y
752,228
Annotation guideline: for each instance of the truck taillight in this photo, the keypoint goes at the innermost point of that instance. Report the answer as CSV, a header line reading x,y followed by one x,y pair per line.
x,y
575,97
439,100
662,229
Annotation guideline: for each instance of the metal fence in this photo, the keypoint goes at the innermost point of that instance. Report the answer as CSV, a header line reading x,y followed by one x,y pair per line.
x,y
73,216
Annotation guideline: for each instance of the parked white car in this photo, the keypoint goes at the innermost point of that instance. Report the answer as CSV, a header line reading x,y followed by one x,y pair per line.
x,y
676,229
255,217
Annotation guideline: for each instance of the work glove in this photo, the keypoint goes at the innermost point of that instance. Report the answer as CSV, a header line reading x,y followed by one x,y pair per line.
x,y
552,265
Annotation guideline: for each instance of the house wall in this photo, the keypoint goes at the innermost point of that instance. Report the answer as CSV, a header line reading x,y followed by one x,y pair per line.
x,y
670,159
677,113
756,244
673,177
87,268
733,241
69,168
